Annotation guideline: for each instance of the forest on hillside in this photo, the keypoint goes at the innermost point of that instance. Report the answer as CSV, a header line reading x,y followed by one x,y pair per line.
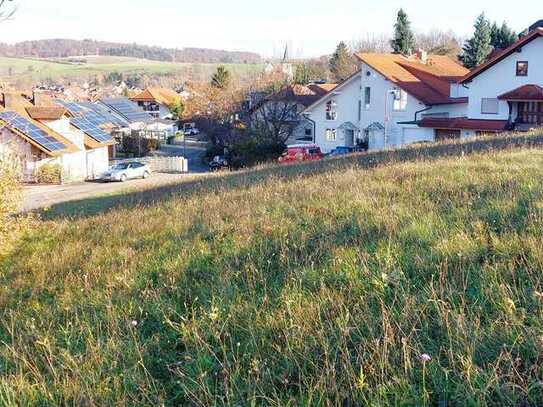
x,y
62,48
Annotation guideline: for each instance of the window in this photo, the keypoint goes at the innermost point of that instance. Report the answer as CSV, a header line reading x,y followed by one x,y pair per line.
x,y
522,68
489,106
367,98
331,134
400,101
308,131
331,113
359,110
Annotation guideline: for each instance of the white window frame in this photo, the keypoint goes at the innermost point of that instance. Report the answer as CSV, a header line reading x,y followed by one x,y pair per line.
x,y
486,110
331,115
330,135
400,101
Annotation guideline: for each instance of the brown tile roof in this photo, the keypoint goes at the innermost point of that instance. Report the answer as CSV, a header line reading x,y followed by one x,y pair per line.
x,y
428,82
524,93
461,123
45,113
302,94
538,32
160,95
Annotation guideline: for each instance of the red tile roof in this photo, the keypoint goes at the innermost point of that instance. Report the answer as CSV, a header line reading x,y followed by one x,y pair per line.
x,y
302,94
462,123
45,113
537,33
526,92
428,82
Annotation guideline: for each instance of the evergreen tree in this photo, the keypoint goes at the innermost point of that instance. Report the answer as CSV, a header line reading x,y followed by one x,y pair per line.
x,y
302,75
479,47
221,78
502,37
404,39
341,63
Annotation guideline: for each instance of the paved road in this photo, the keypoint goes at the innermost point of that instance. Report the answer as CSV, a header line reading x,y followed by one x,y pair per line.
x,y
192,150
43,196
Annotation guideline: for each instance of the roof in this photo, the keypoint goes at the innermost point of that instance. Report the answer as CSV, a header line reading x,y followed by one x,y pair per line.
x,y
524,93
45,113
304,95
331,88
428,82
462,123
537,33
160,95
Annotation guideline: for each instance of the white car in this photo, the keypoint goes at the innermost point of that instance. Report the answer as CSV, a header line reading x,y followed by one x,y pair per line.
x,y
124,171
189,129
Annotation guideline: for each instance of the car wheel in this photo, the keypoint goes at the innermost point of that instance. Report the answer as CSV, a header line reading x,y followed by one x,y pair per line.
x,y
146,175
123,178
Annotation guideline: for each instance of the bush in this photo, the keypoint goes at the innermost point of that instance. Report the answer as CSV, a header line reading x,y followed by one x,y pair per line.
x,y
139,146
48,174
10,193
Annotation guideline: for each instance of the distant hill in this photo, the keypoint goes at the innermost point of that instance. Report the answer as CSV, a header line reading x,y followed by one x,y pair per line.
x,y
62,48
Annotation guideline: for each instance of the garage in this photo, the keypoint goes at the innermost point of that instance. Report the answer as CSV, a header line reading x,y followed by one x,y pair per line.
x,y
447,134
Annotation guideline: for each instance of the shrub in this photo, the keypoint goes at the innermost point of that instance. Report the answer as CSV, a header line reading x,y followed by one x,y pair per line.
x,y
48,174
139,146
10,198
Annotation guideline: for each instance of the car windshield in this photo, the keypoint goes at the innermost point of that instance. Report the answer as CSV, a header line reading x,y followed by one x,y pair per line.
x,y
120,167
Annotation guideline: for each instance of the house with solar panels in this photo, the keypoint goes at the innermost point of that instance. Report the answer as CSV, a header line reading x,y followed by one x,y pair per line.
x,y
35,131
157,101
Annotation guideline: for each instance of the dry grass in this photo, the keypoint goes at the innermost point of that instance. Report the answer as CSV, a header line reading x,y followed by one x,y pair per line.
x,y
324,289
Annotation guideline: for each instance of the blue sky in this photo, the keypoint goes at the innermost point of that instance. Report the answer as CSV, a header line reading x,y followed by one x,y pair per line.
x,y
312,27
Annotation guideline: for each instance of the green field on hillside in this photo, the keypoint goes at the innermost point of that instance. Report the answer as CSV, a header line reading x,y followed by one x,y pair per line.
x,y
328,284
12,69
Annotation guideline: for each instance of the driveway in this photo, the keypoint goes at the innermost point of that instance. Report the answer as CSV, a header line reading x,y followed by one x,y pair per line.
x,y
43,196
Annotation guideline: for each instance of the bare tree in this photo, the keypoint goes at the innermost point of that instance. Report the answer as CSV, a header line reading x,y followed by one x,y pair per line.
x,y
6,13
276,120
378,43
440,42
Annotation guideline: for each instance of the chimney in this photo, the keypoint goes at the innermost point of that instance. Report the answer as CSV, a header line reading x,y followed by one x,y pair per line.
x,y
422,55
10,100
38,98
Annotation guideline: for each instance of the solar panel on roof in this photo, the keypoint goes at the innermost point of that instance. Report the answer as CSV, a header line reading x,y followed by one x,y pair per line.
x,y
102,111
91,129
128,109
72,107
15,121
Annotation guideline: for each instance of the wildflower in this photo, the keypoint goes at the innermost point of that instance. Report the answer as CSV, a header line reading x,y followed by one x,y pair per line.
x,y
425,358
134,323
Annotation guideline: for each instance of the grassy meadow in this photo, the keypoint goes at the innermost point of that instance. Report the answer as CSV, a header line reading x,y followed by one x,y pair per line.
x,y
31,70
416,283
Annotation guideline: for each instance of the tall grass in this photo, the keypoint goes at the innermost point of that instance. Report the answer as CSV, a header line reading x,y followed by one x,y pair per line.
x,y
326,289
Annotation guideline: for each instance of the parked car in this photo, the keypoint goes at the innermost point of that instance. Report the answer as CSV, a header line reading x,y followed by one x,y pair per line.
x,y
125,171
343,150
189,129
219,163
301,152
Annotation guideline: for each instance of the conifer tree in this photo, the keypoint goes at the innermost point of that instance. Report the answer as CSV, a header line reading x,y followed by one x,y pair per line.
x,y
404,39
341,63
479,47
221,78
502,37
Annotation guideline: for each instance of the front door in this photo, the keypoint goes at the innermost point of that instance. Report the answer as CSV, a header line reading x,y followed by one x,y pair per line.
x,y
349,138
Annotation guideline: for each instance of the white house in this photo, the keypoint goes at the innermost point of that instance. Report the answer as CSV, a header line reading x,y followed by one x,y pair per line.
x,y
157,101
34,133
380,105
506,93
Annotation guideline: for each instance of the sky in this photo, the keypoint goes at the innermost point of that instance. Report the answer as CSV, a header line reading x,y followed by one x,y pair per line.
x,y
310,27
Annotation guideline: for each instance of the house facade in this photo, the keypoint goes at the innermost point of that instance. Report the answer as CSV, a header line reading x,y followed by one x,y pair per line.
x,y
34,133
157,101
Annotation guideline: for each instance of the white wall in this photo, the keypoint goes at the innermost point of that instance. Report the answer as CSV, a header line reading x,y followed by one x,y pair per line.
x,y
347,111
382,101
501,78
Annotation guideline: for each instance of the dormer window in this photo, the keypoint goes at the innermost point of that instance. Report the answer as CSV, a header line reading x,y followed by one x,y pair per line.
x,y
331,112
522,68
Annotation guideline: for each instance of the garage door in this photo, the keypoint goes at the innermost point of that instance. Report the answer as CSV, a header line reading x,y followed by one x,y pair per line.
x,y
447,134
411,136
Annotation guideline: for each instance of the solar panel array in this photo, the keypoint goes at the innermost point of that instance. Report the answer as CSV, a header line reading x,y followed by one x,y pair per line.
x,y
90,127
73,107
103,111
128,109
16,121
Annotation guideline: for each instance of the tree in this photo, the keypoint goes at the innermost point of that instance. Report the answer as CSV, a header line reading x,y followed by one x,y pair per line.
x,y
502,37
438,42
404,39
276,120
479,47
5,14
221,78
341,63
177,108
302,74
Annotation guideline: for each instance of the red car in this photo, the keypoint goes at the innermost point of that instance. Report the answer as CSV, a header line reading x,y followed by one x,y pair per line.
x,y
301,152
